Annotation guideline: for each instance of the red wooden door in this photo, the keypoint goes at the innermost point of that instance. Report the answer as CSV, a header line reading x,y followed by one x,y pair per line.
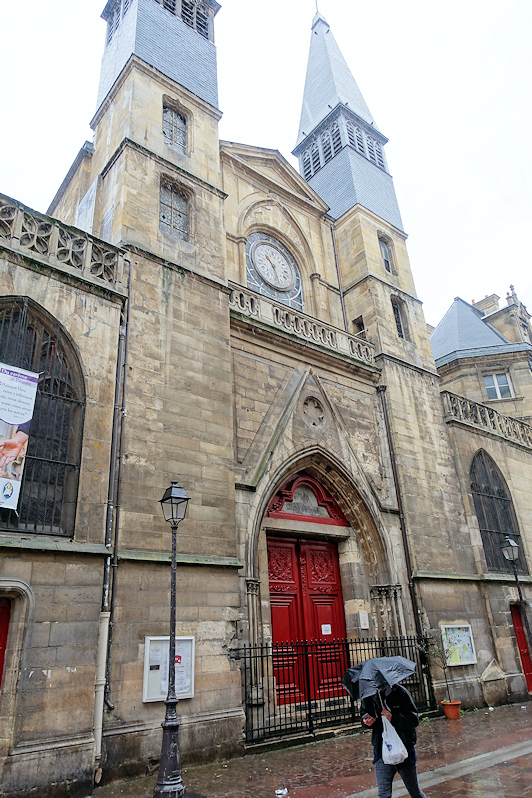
x,y
522,645
306,607
5,612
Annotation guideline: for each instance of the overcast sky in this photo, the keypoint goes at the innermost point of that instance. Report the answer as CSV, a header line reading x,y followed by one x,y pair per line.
x,y
447,81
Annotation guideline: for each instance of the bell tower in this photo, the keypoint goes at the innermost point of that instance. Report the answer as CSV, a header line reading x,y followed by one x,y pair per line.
x,y
341,156
176,37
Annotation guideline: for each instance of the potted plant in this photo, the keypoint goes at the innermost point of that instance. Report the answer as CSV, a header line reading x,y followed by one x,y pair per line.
x,y
451,708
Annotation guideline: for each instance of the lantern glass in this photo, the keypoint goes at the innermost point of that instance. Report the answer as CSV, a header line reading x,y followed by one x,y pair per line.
x,y
174,504
510,549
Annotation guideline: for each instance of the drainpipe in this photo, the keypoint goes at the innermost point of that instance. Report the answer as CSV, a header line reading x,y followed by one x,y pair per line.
x,y
105,615
381,390
114,587
339,278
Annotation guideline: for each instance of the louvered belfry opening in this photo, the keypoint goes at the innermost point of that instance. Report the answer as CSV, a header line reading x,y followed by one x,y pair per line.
x,y
31,339
495,512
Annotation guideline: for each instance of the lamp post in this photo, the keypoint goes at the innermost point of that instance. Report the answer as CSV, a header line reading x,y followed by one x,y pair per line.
x,y
510,550
170,784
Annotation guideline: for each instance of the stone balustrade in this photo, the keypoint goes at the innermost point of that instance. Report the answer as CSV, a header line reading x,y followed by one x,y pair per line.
x,y
44,238
458,408
305,327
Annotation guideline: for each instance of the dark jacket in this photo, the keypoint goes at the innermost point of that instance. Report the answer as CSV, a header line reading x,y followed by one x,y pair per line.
x,y
404,718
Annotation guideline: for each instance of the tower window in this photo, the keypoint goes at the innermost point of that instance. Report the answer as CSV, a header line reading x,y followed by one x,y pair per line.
x,y
385,252
498,386
336,138
360,141
359,328
169,5
126,7
174,129
173,212
378,152
326,145
350,134
315,155
371,150
112,25
398,316
307,168
195,15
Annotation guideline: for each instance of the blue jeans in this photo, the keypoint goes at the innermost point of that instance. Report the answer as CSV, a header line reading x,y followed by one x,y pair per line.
x,y
408,772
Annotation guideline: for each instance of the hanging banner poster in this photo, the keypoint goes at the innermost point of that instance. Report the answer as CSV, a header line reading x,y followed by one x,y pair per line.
x,y
18,389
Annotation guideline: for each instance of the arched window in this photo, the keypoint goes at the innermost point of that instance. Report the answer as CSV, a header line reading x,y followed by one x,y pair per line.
x,y
399,318
371,150
336,138
495,512
315,153
307,168
173,211
360,141
380,157
32,339
350,134
385,252
174,129
326,146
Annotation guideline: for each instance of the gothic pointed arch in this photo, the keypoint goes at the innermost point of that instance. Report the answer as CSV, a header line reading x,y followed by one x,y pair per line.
x,y
353,502
495,511
32,339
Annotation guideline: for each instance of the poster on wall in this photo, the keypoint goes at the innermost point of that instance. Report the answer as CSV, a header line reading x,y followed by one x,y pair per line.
x,y
156,651
18,389
458,645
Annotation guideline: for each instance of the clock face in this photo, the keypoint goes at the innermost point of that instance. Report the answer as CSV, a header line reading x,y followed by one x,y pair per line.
x,y
272,265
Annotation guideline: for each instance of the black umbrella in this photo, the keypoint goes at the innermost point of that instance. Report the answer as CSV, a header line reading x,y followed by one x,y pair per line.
x,y
376,674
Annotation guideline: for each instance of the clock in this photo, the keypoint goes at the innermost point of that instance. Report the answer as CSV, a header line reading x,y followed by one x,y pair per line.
x,y
272,265
272,271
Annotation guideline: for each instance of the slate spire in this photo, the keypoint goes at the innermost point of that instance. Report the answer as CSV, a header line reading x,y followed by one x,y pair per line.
x,y
339,146
329,81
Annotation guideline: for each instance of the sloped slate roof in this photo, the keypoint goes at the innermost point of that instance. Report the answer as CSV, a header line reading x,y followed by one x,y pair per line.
x,y
329,81
463,329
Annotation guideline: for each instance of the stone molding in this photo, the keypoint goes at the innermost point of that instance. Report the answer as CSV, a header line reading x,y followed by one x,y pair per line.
x,y
68,250
297,324
459,410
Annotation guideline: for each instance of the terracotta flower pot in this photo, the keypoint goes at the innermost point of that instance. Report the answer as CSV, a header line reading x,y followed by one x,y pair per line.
x,y
451,709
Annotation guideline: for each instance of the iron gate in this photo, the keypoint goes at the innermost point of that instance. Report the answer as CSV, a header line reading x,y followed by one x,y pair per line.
x,y
295,688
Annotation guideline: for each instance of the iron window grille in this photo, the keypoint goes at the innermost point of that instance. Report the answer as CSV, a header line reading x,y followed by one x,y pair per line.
x,y
173,212
495,512
174,129
32,339
498,386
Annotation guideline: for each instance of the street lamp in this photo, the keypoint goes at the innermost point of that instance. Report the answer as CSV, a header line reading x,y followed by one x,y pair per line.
x,y
170,784
510,549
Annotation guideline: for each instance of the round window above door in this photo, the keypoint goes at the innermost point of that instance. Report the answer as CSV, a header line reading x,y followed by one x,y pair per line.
x,y
272,270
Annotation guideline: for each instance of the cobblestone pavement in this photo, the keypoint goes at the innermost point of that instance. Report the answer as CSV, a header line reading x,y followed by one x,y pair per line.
x,y
483,755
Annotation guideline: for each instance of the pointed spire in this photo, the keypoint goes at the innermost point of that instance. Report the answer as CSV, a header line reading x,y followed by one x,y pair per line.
x,y
329,81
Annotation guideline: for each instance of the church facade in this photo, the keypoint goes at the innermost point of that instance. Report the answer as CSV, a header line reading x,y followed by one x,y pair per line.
x,y
199,310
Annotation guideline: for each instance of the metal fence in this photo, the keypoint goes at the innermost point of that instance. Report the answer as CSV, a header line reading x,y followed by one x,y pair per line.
x,y
295,688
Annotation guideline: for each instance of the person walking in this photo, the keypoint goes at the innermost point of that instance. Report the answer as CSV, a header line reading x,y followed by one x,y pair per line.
x,y
397,705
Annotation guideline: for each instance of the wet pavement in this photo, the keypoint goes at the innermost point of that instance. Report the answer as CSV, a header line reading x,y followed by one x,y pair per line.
x,y
483,755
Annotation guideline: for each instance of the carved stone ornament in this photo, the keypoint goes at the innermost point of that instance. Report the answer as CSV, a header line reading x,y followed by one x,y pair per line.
x,y
313,412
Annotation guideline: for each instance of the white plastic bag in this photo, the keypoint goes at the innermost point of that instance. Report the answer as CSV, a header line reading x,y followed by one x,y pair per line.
x,y
393,750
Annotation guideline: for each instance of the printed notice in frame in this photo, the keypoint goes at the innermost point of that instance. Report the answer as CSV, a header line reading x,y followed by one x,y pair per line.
x,y
18,389
458,644
156,650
